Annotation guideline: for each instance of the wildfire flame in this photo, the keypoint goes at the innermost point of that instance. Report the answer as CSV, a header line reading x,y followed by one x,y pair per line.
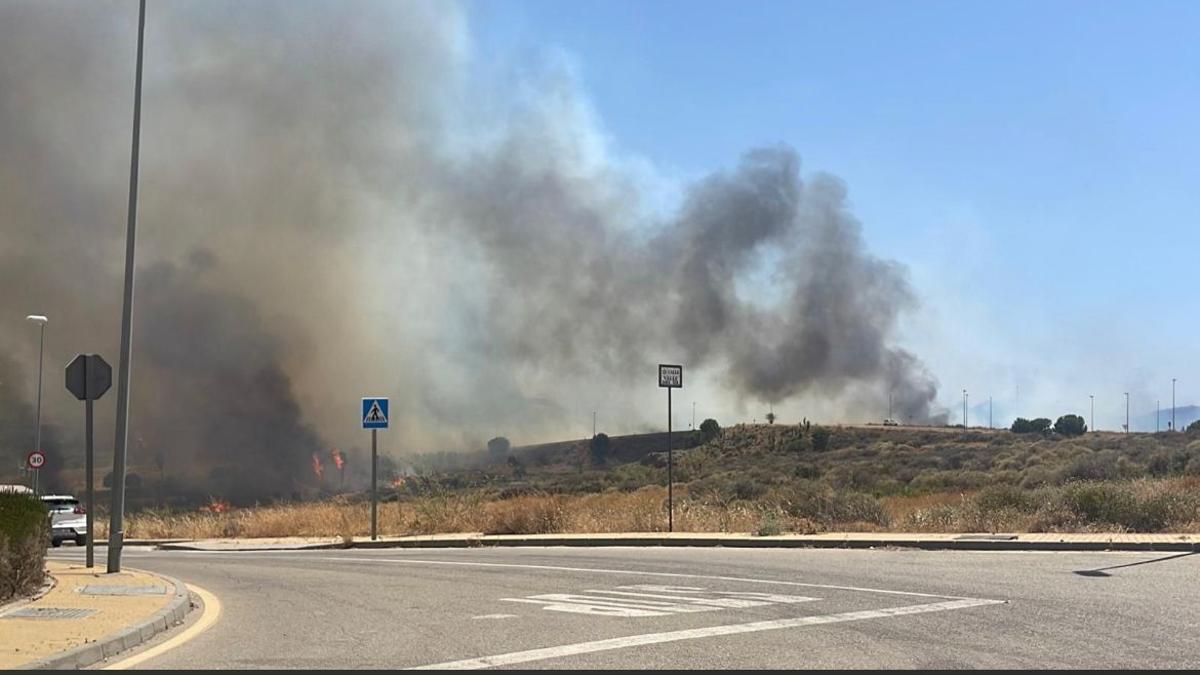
x,y
338,459
216,505
317,468
398,482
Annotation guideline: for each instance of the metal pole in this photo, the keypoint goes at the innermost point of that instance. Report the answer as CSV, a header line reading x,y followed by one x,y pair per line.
x,y
1093,399
37,434
116,529
91,484
1173,427
670,470
374,482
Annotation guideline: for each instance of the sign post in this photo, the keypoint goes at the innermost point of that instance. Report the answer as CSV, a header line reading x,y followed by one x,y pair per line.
x,y
670,377
374,417
88,377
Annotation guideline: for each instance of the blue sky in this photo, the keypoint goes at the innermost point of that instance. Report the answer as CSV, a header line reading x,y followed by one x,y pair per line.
x,y
1033,163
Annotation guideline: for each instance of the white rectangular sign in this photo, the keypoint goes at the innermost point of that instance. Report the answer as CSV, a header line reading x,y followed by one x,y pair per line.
x,y
670,376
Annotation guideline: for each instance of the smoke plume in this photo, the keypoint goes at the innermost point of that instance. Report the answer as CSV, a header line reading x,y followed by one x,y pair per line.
x,y
334,205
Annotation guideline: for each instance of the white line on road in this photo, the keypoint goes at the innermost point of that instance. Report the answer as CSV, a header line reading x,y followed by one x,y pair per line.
x,y
695,633
495,616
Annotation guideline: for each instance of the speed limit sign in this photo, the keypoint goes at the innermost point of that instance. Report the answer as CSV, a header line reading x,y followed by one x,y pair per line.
x,y
36,459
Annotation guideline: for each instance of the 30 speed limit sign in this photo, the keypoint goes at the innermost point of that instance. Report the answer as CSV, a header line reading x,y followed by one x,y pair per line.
x,y
36,459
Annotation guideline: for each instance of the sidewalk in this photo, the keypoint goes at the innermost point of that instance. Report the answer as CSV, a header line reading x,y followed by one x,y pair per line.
x,y
87,616
952,541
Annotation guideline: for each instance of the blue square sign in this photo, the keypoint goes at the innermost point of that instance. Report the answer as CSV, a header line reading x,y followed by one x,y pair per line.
x,y
375,413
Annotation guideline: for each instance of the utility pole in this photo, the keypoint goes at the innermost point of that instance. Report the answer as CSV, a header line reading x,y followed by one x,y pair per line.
x,y
964,408
889,405
1126,412
116,527
1093,399
37,425
1173,427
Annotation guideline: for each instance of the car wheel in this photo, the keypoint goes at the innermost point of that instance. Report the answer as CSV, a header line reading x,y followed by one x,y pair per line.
x,y
81,541
56,542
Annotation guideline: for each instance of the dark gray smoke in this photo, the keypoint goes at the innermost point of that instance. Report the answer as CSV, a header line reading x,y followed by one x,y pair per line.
x,y
333,205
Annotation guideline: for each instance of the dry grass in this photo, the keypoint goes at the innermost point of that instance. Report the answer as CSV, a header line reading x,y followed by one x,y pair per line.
x,y
1139,506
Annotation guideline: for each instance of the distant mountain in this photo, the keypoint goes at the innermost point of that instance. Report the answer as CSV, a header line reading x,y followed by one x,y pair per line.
x,y
1184,415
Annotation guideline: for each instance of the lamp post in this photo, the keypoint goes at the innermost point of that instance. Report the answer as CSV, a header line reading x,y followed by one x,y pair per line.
x,y
37,429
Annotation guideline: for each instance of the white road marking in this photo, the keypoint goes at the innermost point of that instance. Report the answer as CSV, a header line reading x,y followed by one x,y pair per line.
x,y
495,616
696,633
628,604
594,570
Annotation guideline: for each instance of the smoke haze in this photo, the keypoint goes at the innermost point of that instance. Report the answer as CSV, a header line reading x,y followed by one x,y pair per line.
x,y
326,213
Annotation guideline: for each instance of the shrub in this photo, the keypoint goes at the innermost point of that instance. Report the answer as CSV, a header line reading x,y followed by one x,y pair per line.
x,y
1035,426
599,449
498,447
24,535
710,429
1070,425
820,439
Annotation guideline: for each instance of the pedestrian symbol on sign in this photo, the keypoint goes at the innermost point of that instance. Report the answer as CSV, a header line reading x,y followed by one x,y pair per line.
x,y
375,413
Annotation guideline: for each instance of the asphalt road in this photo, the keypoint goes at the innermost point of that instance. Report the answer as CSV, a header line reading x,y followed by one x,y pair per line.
x,y
687,608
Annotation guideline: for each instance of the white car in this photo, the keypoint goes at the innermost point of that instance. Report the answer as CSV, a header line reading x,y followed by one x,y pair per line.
x,y
68,519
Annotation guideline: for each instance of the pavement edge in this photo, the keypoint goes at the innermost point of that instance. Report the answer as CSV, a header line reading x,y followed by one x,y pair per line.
x,y
110,645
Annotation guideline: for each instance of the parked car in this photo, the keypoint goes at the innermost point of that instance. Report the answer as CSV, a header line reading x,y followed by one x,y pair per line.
x,y
68,519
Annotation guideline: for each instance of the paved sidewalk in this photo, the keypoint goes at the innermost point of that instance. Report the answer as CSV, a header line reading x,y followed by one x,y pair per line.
x,y
950,541
87,616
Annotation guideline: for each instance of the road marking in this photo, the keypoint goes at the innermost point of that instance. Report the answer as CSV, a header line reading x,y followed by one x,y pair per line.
x,y
495,616
212,612
594,570
630,604
527,656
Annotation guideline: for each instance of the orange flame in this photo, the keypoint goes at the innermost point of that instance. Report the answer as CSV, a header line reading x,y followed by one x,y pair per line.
x,y
317,468
216,505
398,482
338,460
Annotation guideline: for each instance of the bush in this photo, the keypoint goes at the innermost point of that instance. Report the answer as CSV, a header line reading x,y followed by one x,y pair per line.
x,y
498,447
820,439
1070,425
710,429
1035,426
599,449
24,535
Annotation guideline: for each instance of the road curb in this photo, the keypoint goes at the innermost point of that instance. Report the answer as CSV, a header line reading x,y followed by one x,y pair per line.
x,y
110,645
857,543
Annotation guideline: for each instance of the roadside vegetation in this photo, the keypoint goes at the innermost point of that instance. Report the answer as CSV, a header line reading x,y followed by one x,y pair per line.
x,y
24,536
767,479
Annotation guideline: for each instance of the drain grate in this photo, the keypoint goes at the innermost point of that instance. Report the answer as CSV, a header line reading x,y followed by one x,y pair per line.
x,y
123,590
50,613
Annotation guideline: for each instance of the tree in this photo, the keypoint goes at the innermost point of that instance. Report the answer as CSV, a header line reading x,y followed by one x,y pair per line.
x,y
710,429
1194,426
1035,426
771,418
1070,425
599,448
498,447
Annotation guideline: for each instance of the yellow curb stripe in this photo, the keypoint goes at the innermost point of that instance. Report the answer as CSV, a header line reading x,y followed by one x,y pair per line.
x,y
212,612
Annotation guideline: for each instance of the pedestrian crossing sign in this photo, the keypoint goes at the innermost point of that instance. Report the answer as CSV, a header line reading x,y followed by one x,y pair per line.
x,y
375,413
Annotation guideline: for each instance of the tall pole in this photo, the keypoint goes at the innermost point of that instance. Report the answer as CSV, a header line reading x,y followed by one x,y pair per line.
x,y
1126,412
693,415
964,408
374,482
1093,399
116,531
1173,427
670,470
37,433
889,406
91,484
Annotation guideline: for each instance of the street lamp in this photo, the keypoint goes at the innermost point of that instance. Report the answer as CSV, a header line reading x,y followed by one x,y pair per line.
x,y
37,429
